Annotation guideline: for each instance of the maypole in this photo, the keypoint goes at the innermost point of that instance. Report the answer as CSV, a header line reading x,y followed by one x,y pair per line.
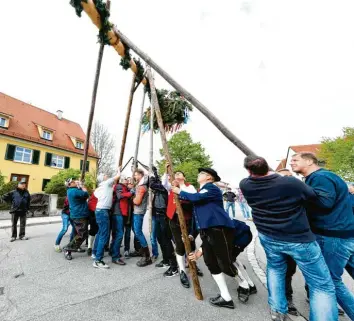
x,y
93,105
155,106
151,163
135,160
122,44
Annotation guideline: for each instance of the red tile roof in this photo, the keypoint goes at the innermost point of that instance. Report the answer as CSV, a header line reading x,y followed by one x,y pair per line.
x,y
281,165
24,120
313,148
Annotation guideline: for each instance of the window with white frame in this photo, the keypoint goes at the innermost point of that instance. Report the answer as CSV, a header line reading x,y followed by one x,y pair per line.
x,y
23,155
58,161
2,122
47,135
79,144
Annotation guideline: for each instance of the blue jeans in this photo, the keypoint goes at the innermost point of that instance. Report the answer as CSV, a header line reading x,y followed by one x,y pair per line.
x,y
66,222
339,253
227,208
138,220
118,233
153,238
309,259
102,219
245,210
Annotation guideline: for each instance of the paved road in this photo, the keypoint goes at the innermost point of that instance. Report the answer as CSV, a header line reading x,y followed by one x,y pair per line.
x,y
40,285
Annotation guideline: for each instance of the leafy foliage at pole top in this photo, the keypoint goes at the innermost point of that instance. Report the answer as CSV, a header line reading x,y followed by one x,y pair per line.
x,y
104,16
187,156
338,154
174,110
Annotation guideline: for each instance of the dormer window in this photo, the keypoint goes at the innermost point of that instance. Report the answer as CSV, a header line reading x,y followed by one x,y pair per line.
x,y
47,135
79,144
3,122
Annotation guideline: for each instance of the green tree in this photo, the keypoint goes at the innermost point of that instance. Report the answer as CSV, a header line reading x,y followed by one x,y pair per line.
x,y
56,184
338,154
187,156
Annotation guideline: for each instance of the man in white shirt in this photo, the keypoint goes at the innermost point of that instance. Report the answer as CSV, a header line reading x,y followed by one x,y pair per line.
x,y
104,194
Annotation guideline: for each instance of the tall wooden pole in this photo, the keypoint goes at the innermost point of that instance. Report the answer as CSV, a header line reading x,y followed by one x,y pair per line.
x,y
151,163
93,105
193,100
135,164
182,223
127,119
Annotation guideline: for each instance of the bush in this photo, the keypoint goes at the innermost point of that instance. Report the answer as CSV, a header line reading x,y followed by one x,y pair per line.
x,y
6,188
60,202
56,184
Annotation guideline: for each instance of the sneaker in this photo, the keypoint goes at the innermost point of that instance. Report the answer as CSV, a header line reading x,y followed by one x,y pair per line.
x,y
276,316
89,252
162,264
23,238
100,265
67,255
57,248
126,255
171,272
12,239
119,262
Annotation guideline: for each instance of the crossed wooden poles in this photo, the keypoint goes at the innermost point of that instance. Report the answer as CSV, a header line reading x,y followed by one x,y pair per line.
x,y
155,109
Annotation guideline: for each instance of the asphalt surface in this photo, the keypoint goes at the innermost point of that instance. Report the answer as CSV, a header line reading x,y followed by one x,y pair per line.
x,y
38,284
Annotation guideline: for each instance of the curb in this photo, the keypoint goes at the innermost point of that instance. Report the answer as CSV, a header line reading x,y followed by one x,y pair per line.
x,y
261,274
8,225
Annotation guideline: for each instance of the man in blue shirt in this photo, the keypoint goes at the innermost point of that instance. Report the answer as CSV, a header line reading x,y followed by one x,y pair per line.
x,y
278,208
216,231
332,220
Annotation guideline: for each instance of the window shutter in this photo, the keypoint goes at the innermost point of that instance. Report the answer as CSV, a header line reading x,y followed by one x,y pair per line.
x,y
44,183
35,157
67,162
87,165
10,152
48,159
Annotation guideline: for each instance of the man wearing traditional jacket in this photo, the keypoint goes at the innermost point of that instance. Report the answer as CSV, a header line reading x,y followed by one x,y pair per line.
x,y
187,207
216,231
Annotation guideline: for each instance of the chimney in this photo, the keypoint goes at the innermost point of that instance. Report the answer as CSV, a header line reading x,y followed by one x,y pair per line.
x,y
59,114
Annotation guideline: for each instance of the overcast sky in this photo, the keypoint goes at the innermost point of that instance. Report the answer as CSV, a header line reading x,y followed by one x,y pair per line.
x,y
277,73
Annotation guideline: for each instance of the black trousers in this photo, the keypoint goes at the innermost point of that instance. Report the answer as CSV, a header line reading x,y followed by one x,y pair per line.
x,y
290,272
14,219
93,224
217,250
164,237
177,235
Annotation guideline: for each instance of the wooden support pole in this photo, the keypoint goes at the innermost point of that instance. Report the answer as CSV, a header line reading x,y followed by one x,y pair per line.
x,y
93,105
194,101
127,119
135,164
151,162
182,223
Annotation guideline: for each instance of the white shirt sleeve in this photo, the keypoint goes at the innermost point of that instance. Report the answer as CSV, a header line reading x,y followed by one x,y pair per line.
x,y
166,184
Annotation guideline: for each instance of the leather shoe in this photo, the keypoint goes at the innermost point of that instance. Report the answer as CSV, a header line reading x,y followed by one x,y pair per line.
x,y
221,303
184,279
243,294
253,289
199,272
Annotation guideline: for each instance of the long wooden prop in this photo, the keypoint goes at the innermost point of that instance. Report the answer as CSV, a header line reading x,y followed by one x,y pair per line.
x,y
127,120
182,223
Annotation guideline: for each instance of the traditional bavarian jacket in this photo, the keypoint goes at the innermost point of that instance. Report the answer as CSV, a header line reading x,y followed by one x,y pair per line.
x,y
208,207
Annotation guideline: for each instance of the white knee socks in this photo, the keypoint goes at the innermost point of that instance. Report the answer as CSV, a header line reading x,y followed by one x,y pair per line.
x,y
220,281
245,281
91,239
181,263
